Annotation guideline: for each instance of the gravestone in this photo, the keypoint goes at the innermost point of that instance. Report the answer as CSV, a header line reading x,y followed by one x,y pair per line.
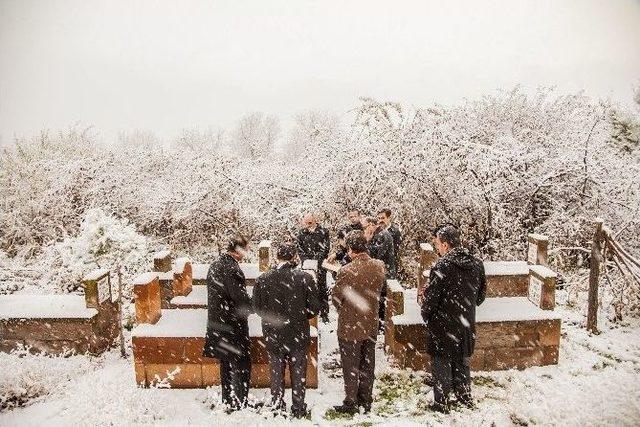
x,y
57,324
515,326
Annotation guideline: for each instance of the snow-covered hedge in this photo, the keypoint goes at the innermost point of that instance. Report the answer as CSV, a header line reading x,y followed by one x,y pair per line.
x,y
102,242
26,377
500,167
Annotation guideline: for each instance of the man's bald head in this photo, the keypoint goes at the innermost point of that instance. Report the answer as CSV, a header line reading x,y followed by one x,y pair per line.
x,y
309,221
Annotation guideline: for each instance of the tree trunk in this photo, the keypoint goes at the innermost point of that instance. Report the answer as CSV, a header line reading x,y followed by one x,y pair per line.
x,y
594,273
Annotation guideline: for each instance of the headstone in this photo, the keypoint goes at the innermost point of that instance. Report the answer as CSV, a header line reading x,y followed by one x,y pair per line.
x,y
538,246
182,277
428,258
542,286
264,254
162,261
146,291
97,287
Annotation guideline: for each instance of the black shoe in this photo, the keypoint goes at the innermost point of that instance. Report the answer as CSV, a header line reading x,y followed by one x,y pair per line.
x,y
301,414
467,403
278,407
428,380
366,408
254,405
438,407
346,409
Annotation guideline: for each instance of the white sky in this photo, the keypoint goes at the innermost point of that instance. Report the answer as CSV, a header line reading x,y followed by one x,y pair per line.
x,y
164,66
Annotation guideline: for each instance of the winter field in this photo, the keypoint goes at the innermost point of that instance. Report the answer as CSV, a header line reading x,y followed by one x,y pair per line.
x,y
597,382
500,167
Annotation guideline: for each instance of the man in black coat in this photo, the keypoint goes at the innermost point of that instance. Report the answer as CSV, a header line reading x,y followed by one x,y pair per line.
x,y
457,284
355,222
286,298
314,244
384,216
380,244
227,337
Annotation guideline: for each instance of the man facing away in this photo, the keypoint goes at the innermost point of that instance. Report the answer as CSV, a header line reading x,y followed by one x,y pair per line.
x,y
356,296
314,244
380,244
286,298
385,217
227,337
457,284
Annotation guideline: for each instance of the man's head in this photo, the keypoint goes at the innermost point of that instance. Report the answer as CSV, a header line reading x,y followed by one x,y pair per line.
x,y
445,238
384,216
354,216
287,252
309,221
238,246
356,243
369,223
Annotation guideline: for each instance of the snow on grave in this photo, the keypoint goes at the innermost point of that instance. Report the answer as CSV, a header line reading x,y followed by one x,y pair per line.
x,y
172,340
515,326
60,323
177,341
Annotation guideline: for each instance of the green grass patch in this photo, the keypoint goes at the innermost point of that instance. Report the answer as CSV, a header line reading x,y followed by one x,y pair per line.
x,y
332,415
399,389
484,381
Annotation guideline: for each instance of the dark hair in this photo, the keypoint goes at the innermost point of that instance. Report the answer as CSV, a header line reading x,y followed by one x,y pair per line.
x,y
354,210
371,220
386,212
342,234
237,241
287,251
448,233
356,241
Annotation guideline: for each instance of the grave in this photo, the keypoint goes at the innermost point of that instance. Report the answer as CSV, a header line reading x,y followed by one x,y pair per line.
x,y
57,324
516,326
168,341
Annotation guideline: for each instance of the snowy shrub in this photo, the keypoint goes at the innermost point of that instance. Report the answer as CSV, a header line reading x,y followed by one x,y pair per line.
x,y
499,167
26,377
102,242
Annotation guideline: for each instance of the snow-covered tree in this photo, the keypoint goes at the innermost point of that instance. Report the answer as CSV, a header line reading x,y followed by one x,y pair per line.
x,y
255,135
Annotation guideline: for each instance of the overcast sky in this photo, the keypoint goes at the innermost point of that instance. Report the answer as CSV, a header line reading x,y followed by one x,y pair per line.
x,y
164,66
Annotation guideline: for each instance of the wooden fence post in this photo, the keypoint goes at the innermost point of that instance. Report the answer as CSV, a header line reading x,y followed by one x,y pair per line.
x,y
123,352
594,273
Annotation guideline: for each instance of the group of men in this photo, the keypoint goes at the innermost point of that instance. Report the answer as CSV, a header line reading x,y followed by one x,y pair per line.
x,y
286,297
383,236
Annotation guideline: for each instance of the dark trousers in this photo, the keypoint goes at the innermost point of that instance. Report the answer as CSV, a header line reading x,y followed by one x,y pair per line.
x,y
358,366
450,372
297,360
323,292
382,308
235,376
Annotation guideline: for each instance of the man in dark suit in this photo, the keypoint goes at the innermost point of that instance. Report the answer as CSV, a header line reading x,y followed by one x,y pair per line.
x,y
380,245
457,284
286,298
384,217
314,244
227,337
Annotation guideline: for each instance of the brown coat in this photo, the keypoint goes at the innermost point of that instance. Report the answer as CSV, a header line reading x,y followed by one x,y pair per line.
x,y
356,296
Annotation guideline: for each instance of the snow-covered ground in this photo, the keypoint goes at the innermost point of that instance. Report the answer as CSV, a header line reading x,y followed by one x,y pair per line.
x,y
596,382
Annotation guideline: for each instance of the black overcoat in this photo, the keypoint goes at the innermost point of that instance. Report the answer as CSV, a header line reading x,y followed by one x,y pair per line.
x,y
286,298
229,306
457,284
